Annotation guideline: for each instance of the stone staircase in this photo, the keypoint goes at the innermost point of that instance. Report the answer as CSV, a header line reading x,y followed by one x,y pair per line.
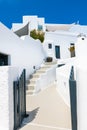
x,y
31,83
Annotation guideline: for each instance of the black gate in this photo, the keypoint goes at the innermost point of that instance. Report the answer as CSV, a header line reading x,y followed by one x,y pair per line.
x,y
19,100
73,99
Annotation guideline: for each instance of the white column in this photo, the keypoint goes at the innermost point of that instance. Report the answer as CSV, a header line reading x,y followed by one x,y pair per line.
x,y
81,77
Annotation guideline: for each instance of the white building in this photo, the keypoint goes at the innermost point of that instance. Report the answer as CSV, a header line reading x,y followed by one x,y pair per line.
x,y
34,23
57,44
58,37
15,55
20,53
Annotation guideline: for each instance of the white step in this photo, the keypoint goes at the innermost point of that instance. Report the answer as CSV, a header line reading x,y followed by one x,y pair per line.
x,y
33,80
28,92
36,75
41,71
50,63
31,83
31,86
46,67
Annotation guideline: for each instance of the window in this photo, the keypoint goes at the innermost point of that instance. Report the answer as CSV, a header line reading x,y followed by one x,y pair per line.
x,y
50,46
40,27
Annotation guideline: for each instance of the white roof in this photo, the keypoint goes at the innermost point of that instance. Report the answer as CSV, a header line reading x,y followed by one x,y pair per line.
x,y
54,27
79,29
61,32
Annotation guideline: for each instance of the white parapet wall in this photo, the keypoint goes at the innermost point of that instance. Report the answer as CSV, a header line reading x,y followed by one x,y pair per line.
x,y
46,79
7,76
62,77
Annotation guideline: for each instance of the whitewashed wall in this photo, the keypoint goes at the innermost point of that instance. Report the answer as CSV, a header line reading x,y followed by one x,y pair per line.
x,y
7,76
81,78
17,26
23,54
62,40
46,79
34,21
62,77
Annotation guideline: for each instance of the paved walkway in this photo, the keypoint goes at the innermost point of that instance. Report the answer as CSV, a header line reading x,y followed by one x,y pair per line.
x,y
47,111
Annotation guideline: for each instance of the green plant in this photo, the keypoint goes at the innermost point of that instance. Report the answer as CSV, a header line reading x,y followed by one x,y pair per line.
x,y
37,34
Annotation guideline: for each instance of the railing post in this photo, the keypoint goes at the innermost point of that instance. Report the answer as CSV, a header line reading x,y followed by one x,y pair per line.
x,y
16,105
25,92
73,100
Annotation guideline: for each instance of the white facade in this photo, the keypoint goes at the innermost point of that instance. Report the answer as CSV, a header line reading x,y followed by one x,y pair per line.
x,y
26,53
59,35
62,39
81,78
34,23
22,53
80,73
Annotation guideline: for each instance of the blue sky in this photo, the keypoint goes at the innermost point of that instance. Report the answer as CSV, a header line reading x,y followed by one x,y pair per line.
x,y
54,11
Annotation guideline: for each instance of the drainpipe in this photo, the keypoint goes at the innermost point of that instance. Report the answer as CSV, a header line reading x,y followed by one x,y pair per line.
x,y
81,78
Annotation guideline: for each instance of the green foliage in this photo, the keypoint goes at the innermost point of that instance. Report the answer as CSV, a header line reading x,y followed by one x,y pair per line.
x,y
37,34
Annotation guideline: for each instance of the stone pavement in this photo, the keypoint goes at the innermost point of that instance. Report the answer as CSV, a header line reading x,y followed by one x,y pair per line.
x,y
47,111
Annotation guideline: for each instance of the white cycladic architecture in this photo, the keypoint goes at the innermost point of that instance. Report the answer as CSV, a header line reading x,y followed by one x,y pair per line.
x,y
79,28
21,53
81,78
7,76
34,22
25,52
60,43
58,37
16,54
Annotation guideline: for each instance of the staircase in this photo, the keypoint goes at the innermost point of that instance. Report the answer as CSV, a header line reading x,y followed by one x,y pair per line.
x,y
33,84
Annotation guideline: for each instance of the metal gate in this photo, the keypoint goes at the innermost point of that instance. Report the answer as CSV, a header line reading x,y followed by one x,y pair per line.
x,y
19,100
73,99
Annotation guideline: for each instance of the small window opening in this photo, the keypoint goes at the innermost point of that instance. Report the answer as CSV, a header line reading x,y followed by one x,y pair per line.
x,y
50,46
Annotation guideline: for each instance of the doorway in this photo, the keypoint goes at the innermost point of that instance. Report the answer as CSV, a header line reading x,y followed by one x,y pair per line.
x,y
57,52
3,59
